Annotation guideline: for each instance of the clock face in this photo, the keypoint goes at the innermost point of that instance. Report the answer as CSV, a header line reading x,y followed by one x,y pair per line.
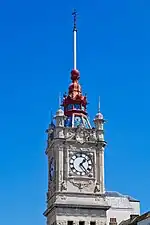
x,y
51,168
81,164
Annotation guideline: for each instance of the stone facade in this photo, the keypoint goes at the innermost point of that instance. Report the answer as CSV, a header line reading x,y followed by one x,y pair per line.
x,y
66,189
72,196
63,147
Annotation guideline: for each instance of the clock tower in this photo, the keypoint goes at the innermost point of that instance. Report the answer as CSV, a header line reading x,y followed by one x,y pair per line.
x,y
75,152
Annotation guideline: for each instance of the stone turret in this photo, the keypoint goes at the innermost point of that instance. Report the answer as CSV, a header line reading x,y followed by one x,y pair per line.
x,y
60,118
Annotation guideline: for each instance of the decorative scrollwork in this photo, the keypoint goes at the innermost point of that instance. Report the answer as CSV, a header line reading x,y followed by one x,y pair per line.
x,y
80,184
70,134
82,135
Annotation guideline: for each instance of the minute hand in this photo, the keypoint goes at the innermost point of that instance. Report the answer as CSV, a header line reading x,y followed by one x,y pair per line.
x,y
81,165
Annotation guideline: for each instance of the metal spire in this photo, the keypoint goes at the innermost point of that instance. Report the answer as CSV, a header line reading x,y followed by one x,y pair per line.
x,y
74,39
51,116
59,100
52,123
99,104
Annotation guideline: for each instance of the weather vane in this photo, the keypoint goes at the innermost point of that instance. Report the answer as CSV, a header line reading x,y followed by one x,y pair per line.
x,y
75,19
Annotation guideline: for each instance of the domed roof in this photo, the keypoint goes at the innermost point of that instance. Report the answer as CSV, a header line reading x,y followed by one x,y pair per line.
x,y
60,112
99,116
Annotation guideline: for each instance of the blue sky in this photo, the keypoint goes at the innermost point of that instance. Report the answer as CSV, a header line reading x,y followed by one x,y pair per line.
x,y
35,65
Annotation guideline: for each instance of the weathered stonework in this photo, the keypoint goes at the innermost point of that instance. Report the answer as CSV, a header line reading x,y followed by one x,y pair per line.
x,y
63,143
81,212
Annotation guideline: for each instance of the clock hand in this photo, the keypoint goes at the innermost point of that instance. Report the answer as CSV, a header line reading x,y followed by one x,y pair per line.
x,y
81,165
84,160
83,168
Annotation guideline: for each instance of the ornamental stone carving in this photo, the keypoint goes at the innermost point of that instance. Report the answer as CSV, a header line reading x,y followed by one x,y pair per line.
x,y
80,184
63,186
92,135
97,188
82,135
70,134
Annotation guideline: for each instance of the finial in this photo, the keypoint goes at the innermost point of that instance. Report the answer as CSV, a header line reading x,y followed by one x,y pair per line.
x,y
51,123
51,116
74,39
99,104
75,20
59,100
99,115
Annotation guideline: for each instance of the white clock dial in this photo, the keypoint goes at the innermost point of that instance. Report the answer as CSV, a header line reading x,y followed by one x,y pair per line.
x,y
81,164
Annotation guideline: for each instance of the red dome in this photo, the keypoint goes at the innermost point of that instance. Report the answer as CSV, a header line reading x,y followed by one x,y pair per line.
x,y
75,75
74,87
74,96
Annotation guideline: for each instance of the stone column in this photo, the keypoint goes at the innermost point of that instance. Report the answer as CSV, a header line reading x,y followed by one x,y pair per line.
x,y
100,168
101,155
